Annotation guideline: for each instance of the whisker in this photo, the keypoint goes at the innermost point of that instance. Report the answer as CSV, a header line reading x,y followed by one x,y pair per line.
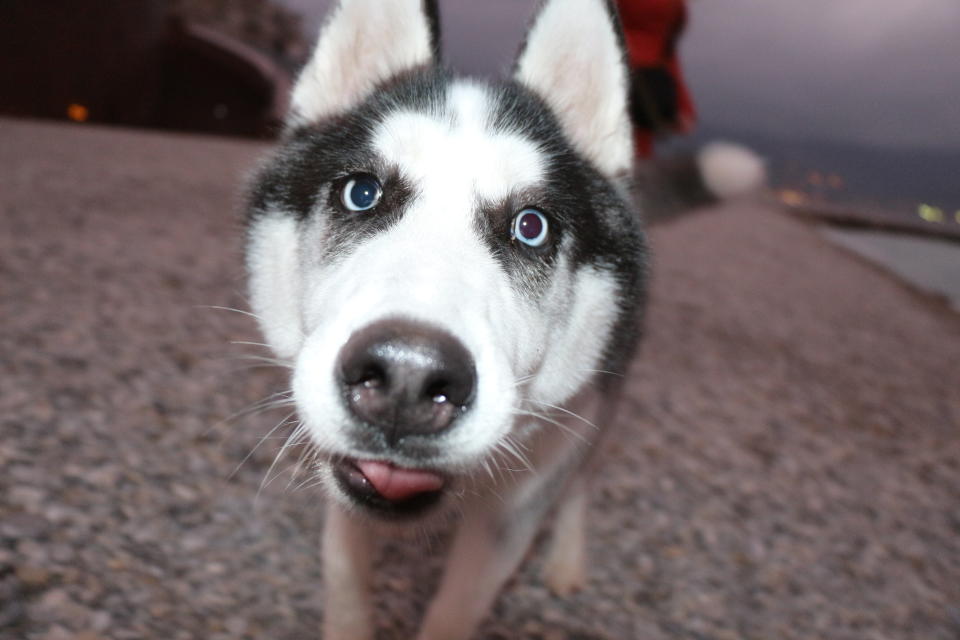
x,y
272,401
566,411
296,433
277,399
609,373
505,451
514,449
522,379
546,418
231,309
312,481
260,442
251,344
315,478
498,462
307,450
219,308
268,481
275,362
486,467
250,367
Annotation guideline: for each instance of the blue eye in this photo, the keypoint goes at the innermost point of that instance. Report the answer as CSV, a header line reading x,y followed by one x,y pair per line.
x,y
530,227
361,193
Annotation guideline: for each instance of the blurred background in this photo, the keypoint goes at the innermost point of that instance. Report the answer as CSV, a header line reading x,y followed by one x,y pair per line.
x,y
852,104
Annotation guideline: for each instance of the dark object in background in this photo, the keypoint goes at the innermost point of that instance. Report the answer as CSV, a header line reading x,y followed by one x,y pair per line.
x,y
135,63
653,98
215,84
101,56
671,186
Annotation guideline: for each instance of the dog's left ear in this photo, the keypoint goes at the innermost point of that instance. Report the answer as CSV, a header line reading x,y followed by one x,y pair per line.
x,y
363,43
574,59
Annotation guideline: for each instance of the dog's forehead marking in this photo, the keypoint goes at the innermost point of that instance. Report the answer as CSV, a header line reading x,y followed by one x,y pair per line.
x,y
458,150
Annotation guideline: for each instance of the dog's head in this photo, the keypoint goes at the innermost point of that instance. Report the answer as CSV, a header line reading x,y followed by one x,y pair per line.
x,y
437,257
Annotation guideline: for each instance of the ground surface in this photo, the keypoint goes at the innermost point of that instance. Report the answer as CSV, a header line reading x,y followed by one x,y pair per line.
x,y
929,263
791,467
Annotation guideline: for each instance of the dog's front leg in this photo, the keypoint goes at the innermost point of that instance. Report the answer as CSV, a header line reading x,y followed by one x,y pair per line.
x,y
565,564
347,556
485,553
486,550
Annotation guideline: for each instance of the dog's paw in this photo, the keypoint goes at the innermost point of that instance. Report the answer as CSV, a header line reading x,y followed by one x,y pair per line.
x,y
565,574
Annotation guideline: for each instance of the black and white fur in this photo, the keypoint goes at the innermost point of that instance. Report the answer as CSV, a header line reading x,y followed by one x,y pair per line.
x,y
549,330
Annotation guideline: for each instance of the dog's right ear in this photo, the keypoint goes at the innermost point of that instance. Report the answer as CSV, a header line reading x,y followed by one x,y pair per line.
x,y
574,58
363,43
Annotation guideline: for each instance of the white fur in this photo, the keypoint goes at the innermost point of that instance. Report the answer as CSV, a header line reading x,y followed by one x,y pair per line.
x,y
573,60
730,170
431,266
459,159
583,318
272,260
363,43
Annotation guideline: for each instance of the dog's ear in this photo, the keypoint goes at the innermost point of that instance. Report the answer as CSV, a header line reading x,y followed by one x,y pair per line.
x,y
363,43
574,58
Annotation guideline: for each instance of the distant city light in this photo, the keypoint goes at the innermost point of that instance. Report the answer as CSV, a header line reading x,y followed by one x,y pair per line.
x,y
822,179
78,112
792,197
930,213
956,216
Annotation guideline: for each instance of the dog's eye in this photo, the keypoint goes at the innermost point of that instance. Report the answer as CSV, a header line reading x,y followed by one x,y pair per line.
x,y
530,227
361,193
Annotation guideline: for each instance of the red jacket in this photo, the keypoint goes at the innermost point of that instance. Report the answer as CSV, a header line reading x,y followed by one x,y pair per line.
x,y
652,29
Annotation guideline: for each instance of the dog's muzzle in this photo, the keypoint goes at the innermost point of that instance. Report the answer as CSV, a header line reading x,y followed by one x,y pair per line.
x,y
404,379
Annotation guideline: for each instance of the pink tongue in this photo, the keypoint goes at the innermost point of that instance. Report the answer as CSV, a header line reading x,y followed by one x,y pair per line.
x,y
395,483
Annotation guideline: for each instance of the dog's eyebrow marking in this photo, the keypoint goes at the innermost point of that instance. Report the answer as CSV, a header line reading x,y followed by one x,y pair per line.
x,y
467,153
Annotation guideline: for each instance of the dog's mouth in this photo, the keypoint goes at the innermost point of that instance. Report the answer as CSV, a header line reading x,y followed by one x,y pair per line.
x,y
387,489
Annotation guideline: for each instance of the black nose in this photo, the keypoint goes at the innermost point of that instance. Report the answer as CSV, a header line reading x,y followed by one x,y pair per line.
x,y
406,378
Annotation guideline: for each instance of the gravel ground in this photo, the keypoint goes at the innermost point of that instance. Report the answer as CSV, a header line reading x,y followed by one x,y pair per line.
x,y
792,465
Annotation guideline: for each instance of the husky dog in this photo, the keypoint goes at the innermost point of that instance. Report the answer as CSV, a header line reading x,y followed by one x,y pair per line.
x,y
455,270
